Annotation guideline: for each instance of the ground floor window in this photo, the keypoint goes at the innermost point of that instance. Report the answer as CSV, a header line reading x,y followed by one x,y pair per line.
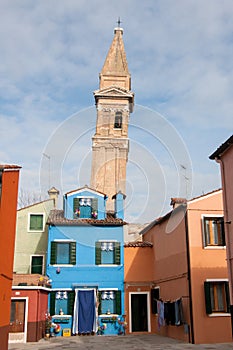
x,y
109,302
62,302
217,296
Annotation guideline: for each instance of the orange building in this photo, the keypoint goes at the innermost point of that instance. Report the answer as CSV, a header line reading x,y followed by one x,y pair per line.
x,y
184,273
138,277
9,175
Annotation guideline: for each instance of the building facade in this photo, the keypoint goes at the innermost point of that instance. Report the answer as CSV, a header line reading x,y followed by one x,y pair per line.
x,y
86,264
224,156
139,287
32,238
114,103
9,175
190,271
29,297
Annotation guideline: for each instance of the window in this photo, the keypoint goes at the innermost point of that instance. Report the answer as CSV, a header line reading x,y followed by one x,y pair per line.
x,y
62,301
63,253
214,234
37,264
85,208
118,120
36,222
109,302
154,297
217,297
107,253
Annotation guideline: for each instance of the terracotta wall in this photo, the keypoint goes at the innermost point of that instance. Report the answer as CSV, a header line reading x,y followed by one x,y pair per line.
x,y
8,206
37,308
138,275
170,272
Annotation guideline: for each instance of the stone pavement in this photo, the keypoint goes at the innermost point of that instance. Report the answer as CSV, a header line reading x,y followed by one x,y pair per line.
x,y
128,342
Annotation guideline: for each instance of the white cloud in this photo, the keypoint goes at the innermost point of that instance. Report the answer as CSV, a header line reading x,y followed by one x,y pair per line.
x,y
180,58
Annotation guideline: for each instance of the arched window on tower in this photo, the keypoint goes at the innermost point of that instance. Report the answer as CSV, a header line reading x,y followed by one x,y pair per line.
x,y
118,120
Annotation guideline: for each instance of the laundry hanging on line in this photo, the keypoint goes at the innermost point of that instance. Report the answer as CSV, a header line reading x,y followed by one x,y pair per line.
x,y
170,313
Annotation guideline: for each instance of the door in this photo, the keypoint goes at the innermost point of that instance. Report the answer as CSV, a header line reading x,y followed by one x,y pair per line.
x,y
17,327
84,321
139,312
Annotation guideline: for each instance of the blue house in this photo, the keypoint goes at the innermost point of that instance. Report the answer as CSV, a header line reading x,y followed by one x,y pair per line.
x,y
86,264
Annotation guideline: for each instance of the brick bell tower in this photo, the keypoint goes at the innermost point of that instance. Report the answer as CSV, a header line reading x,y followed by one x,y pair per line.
x,y
114,103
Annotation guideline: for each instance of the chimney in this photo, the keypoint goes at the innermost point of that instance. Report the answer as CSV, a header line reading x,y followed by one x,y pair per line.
x,y
53,194
119,204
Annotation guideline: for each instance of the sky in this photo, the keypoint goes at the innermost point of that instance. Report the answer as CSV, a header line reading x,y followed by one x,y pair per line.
x,y
179,54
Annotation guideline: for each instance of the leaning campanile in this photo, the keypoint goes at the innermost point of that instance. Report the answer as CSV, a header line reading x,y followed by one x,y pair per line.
x,y
114,103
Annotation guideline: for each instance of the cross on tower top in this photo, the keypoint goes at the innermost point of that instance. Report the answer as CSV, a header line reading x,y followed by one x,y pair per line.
x,y
119,22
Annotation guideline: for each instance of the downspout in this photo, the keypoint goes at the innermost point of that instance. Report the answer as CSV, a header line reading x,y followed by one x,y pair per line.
x,y
191,336
37,315
228,246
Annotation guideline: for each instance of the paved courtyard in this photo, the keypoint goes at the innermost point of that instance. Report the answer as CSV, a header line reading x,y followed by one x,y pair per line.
x,y
131,342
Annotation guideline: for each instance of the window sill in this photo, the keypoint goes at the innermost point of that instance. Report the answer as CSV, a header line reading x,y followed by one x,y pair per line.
x,y
219,314
108,315
218,247
35,231
62,265
108,265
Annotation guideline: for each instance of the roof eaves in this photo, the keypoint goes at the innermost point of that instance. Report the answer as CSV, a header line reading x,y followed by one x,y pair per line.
x,y
221,149
160,220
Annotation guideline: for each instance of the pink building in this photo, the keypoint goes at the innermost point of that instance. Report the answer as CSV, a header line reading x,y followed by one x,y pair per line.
x,y
189,271
224,156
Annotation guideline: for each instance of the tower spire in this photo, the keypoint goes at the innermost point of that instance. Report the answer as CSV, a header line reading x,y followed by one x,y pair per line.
x,y
115,69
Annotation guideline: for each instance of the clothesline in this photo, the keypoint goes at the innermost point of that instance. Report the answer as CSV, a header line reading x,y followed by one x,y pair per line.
x,y
170,313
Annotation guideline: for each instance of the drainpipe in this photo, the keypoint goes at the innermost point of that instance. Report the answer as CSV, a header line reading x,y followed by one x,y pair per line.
x,y
37,314
227,221
191,336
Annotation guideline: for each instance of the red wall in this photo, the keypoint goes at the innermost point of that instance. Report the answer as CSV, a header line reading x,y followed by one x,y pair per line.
x,y
8,207
37,307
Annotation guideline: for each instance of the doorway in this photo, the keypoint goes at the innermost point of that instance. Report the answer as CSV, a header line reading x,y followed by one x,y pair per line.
x,y
84,319
139,318
18,321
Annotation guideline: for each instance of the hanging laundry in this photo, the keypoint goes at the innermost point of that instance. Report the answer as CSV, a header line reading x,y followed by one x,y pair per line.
x,y
169,313
179,317
160,308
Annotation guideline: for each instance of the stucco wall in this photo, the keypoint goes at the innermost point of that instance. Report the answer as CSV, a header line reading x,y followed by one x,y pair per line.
x,y
206,263
37,308
30,243
85,271
170,267
8,207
